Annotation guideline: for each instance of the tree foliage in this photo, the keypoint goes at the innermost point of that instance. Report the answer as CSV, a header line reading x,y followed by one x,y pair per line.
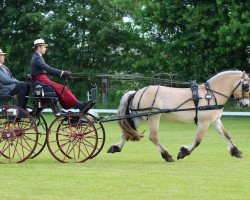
x,y
194,38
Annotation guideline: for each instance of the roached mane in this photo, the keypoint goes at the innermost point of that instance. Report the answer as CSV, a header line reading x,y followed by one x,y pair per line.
x,y
224,73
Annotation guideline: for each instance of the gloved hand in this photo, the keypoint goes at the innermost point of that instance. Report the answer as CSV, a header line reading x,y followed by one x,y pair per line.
x,y
67,74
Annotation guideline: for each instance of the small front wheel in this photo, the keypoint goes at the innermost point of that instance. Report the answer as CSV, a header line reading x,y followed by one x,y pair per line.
x,y
72,138
100,132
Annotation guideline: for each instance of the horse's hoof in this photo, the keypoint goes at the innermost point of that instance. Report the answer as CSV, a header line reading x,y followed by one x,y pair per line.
x,y
183,153
180,156
113,149
236,152
170,159
167,157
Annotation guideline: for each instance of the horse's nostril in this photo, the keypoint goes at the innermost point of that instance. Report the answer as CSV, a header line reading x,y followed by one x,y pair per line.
x,y
246,105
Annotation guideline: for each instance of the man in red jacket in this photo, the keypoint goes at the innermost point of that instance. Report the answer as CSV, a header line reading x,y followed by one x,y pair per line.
x,y
39,69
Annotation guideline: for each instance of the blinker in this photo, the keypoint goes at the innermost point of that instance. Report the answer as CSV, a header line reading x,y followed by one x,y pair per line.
x,y
245,87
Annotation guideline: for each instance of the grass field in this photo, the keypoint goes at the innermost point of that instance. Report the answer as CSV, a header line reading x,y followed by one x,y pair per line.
x,y
139,172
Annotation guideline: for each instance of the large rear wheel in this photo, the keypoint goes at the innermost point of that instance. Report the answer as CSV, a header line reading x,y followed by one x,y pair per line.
x,y
18,134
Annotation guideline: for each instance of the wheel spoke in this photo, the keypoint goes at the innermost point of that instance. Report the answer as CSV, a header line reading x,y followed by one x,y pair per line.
x,y
66,152
75,149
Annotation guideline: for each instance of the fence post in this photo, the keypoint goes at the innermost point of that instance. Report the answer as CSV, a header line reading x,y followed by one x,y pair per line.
x,y
104,90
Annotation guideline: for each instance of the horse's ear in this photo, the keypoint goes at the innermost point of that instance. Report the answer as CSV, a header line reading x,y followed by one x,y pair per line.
x,y
245,74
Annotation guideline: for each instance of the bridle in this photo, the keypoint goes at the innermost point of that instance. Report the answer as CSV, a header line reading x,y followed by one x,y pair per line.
x,y
245,88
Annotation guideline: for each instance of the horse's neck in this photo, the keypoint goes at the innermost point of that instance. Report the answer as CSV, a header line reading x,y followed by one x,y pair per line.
x,y
223,85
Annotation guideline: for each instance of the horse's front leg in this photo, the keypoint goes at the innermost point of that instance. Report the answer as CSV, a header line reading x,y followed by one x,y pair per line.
x,y
234,151
187,150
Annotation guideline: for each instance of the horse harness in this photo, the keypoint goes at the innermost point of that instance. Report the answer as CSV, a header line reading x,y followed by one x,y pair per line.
x,y
195,97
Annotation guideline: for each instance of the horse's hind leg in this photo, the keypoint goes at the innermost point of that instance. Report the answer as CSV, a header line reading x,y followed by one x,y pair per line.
x,y
154,129
117,147
232,147
187,150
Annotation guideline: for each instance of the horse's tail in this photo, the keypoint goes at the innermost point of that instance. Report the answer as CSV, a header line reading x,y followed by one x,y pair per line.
x,y
127,125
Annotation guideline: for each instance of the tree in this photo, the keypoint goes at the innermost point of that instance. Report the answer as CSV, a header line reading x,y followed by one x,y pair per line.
x,y
193,38
20,22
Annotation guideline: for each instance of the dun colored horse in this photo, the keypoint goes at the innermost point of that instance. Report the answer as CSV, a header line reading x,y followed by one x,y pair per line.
x,y
203,105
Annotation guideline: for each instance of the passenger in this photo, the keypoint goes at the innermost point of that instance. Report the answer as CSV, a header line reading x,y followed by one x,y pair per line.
x,y
11,86
39,69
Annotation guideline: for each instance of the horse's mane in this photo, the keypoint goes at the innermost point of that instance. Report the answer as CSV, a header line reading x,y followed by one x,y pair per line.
x,y
223,73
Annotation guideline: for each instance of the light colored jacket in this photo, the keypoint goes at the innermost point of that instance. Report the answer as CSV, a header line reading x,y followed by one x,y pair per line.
x,y
7,81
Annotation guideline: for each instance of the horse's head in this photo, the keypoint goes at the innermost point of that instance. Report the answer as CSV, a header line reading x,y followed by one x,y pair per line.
x,y
241,91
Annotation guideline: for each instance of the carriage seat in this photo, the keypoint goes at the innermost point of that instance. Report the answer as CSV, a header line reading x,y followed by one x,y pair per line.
x,y
48,91
44,96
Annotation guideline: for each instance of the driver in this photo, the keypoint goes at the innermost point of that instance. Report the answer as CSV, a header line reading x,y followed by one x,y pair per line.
x,y
39,71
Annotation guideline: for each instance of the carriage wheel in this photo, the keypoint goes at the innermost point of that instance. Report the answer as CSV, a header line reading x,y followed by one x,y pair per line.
x,y
72,138
42,128
100,132
18,134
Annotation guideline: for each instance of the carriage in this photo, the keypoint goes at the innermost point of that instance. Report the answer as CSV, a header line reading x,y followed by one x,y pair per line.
x,y
77,137
71,137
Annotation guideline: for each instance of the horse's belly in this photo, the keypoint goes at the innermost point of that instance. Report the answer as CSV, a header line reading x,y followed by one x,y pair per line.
x,y
188,116
183,116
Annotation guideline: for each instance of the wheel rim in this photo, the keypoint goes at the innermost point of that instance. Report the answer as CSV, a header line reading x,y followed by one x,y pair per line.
x,y
100,132
42,132
42,128
18,136
70,142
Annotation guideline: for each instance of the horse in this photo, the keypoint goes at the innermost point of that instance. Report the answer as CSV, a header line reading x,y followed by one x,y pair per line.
x,y
203,105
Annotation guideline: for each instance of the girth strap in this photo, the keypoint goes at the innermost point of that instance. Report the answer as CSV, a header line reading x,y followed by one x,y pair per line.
x,y
196,98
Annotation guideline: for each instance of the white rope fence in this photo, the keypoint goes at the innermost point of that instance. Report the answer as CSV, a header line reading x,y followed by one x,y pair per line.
x,y
96,112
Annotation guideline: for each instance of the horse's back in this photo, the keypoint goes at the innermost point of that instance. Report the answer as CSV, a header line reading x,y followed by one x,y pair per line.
x,y
160,97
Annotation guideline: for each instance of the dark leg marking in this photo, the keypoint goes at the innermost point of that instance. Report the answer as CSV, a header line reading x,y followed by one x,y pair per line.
x,y
197,143
166,156
113,149
236,152
227,135
183,153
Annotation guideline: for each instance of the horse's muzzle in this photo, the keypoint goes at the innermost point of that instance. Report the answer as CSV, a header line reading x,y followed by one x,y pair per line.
x,y
243,103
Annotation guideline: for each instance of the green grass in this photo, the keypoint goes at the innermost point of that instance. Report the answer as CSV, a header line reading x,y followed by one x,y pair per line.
x,y
139,172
